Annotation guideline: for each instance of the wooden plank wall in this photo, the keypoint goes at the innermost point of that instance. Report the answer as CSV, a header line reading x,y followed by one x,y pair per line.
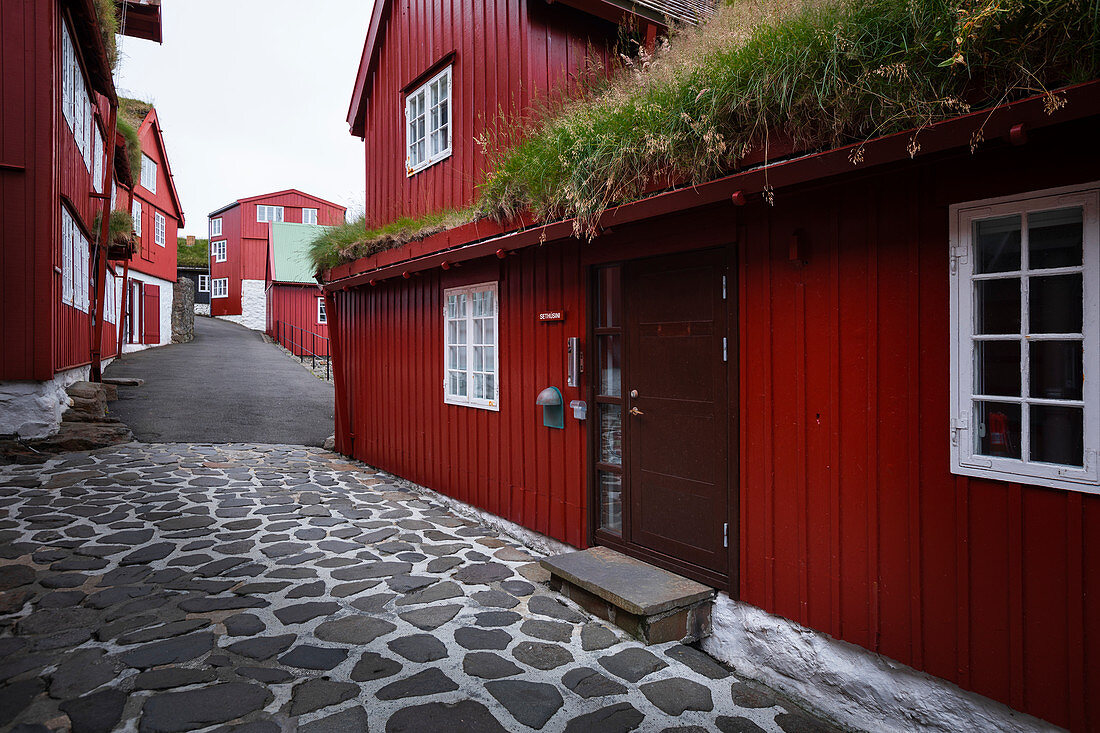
x,y
296,305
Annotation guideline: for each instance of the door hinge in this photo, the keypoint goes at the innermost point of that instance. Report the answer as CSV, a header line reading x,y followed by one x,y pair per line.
x,y
958,425
723,287
726,534
725,356
958,256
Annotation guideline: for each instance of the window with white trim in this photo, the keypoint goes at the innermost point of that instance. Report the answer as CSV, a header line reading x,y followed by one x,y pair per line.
x,y
110,298
76,253
98,155
204,283
148,173
217,251
470,346
215,227
322,315
158,228
219,287
269,213
428,123
1025,320
76,103
309,216
135,214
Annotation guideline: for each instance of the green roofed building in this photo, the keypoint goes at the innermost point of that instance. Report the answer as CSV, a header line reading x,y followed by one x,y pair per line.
x,y
295,307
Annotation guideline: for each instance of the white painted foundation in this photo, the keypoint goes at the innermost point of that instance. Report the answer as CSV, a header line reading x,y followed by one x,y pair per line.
x,y
253,306
202,309
31,409
167,292
847,683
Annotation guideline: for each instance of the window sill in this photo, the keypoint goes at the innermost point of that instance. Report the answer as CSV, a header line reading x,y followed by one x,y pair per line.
x,y
410,172
1084,484
490,406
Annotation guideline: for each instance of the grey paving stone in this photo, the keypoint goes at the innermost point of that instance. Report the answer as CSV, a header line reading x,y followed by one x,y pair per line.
x,y
267,675
307,590
547,630
531,703
496,618
320,693
632,664
472,638
352,720
243,624
589,683
373,603
81,672
443,564
518,587
127,537
698,661
165,631
438,592
552,607
431,617
795,721
430,681
293,573
372,570
61,599
307,656
618,718
204,605
483,573
419,648
541,655
676,695
467,716
374,666
303,612
263,647
190,709
353,630
752,695
489,666
95,713
148,554
343,590
169,651
15,697
495,599
63,580
169,677
736,724
282,549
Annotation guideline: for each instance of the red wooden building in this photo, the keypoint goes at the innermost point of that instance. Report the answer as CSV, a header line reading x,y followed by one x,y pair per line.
x,y
154,206
239,245
58,116
296,316
782,401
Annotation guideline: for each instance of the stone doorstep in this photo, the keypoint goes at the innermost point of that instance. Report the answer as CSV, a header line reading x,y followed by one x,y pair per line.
x,y
651,604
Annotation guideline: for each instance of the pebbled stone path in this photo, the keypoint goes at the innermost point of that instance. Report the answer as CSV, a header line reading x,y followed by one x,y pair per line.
x,y
260,588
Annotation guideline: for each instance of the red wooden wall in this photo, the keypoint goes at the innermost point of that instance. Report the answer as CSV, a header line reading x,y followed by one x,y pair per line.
x,y
850,519
507,52
296,306
152,258
231,268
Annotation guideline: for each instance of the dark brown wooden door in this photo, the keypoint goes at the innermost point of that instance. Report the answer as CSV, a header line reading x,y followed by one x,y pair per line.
x,y
675,400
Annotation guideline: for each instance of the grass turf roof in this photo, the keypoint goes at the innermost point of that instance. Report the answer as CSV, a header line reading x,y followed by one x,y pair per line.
x,y
815,74
197,255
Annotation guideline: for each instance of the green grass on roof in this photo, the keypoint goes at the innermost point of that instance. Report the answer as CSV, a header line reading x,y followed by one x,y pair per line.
x,y
197,255
108,27
353,240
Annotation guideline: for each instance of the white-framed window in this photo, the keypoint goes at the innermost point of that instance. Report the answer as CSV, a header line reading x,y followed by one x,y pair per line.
x,y
76,253
158,228
204,283
269,213
1025,338
217,250
216,227
148,173
309,216
322,315
219,287
76,103
110,298
428,123
470,346
114,195
135,213
98,155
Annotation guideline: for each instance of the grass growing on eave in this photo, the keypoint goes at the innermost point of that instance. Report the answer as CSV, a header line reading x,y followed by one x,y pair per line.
x,y
133,149
353,240
817,74
108,27
197,255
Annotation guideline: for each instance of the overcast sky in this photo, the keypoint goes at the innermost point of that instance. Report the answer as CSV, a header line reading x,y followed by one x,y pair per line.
x,y
253,97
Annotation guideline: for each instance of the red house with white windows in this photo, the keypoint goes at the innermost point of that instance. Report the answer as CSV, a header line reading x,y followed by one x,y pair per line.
x,y
295,307
239,246
840,410
155,208
59,291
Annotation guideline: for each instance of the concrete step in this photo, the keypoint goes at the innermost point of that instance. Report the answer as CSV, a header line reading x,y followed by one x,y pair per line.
x,y
649,603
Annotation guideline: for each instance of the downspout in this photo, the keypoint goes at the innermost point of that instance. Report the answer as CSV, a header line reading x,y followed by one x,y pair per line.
x,y
101,250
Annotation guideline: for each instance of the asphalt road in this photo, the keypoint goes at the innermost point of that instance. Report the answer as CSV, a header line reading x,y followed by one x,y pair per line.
x,y
226,386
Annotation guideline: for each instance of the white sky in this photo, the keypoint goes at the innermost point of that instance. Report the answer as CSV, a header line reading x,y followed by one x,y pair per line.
x,y
253,97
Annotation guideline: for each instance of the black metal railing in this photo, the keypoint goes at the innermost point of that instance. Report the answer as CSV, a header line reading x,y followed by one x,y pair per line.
x,y
302,343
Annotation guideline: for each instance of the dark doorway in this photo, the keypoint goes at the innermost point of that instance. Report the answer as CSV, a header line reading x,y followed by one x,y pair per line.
x,y
662,453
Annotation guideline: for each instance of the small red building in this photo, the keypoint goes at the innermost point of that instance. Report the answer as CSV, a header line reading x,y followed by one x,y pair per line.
x,y
780,401
239,246
57,118
296,315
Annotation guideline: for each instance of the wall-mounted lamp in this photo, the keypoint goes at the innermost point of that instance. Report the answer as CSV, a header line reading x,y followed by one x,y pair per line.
x,y
553,408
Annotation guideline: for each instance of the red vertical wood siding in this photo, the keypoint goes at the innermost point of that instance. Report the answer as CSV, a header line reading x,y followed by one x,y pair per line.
x,y
150,313
528,51
154,259
296,305
231,268
850,519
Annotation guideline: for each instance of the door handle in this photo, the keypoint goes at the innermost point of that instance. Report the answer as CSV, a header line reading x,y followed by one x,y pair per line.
x,y
636,411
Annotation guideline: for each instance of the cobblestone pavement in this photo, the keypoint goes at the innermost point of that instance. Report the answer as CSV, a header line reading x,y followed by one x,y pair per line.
x,y
263,588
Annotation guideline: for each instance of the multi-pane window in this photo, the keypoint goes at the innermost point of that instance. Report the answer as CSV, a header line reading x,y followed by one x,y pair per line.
x,y
309,216
148,173
204,283
158,228
470,346
76,103
1026,326
97,163
322,315
135,213
217,250
428,123
269,213
215,227
75,265
609,397
219,287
